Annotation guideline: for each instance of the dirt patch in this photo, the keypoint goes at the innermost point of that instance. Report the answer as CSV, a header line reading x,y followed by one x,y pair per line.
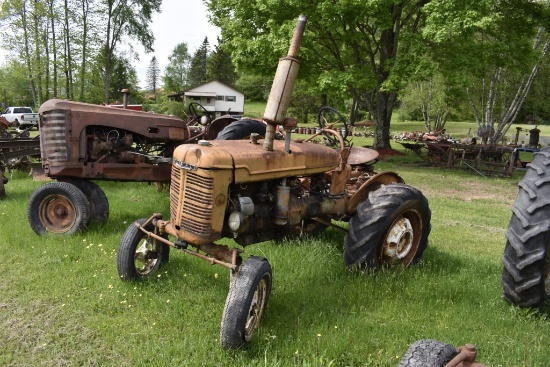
x,y
470,190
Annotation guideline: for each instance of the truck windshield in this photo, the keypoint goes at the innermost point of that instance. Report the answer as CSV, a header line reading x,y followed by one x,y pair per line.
x,y
22,110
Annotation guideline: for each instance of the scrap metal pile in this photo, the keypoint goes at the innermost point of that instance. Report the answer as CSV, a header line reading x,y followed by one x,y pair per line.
x,y
484,159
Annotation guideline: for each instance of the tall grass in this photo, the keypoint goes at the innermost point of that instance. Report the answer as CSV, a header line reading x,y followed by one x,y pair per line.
x,y
62,303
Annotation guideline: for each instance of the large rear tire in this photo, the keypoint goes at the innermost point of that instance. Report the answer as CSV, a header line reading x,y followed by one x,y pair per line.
x,y
58,207
526,259
242,129
428,353
246,301
99,205
390,228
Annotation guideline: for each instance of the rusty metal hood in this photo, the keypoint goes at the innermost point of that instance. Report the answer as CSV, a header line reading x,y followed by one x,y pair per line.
x,y
252,163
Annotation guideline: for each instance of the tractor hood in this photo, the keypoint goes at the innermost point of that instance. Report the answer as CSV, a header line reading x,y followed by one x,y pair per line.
x,y
252,163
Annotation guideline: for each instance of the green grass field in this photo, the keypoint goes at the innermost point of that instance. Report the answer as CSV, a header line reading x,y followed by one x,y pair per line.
x,y
62,304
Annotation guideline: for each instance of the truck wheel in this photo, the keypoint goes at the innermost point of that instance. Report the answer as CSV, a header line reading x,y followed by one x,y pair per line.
x,y
526,259
58,207
139,256
241,129
428,353
246,301
99,205
390,228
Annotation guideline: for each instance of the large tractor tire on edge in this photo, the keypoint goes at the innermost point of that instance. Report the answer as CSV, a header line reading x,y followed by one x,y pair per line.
x,y
390,228
428,353
242,129
58,207
526,259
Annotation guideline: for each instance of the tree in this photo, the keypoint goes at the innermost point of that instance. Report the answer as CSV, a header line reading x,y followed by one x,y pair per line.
x,y
499,46
153,76
176,73
127,19
352,51
220,66
198,69
367,50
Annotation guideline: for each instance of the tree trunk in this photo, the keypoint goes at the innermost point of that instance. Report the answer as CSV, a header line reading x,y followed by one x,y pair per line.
x,y
54,48
85,9
27,52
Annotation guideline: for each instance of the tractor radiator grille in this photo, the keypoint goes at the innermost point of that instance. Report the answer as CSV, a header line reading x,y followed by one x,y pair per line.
x,y
196,201
54,137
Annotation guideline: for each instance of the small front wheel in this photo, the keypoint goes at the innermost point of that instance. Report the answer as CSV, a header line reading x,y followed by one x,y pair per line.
x,y
138,255
428,353
246,301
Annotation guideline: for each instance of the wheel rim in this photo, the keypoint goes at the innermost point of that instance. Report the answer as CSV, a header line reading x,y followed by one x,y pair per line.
x,y
547,272
146,258
402,239
57,213
256,308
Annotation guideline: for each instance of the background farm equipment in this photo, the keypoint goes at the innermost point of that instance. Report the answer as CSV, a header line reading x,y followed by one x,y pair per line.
x,y
16,152
82,142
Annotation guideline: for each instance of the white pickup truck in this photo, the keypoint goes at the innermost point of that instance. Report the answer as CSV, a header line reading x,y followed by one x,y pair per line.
x,y
21,117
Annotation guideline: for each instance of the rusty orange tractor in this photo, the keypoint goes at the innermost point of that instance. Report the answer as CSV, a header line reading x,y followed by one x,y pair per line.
x,y
261,189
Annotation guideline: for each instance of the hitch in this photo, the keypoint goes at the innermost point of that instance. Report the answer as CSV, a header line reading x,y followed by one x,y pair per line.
x,y
466,357
216,254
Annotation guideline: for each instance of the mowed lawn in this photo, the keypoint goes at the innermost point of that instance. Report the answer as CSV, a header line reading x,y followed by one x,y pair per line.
x,y
62,304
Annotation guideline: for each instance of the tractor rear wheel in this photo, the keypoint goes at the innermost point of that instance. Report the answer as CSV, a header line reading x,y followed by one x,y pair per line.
x,y
428,353
138,255
242,129
390,228
99,205
526,259
246,301
58,207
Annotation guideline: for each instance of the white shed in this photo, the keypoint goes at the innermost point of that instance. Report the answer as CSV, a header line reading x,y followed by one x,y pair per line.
x,y
217,97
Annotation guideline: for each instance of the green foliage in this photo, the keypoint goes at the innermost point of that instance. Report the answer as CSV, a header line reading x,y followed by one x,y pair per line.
x,y
175,76
220,66
255,87
153,76
198,68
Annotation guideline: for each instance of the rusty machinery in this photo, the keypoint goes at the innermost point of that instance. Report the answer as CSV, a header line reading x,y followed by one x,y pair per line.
x,y
254,191
81,142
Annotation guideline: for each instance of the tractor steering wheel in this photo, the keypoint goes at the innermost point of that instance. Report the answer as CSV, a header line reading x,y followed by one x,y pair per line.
x,y
199,114
329,117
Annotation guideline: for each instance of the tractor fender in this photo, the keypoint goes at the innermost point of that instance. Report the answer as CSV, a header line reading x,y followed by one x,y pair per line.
x,y
372,184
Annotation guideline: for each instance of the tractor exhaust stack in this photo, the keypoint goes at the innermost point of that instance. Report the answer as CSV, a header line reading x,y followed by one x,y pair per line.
x,y
283,84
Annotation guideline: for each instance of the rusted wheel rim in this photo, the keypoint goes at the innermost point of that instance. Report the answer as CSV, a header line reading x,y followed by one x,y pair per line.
x,y
256,308
57,213
547,272
145,258
402,239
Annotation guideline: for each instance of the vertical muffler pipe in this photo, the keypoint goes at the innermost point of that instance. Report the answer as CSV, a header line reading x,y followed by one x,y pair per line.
x,y
283,84
125,94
